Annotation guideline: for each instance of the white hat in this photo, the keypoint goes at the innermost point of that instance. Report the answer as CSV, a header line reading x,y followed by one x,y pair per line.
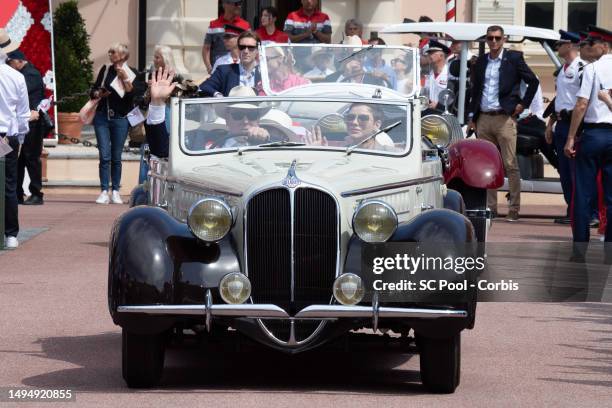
x,y
241,91
5,42
279,120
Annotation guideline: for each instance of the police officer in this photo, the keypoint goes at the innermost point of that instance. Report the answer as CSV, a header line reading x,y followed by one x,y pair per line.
x,y
437,79
593,150
568,83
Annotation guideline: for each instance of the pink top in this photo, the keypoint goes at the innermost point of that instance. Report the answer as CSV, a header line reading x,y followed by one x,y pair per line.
x,y
291,81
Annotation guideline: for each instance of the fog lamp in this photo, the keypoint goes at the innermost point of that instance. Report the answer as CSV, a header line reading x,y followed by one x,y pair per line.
x,y
210,219
348,289
235,288
374,221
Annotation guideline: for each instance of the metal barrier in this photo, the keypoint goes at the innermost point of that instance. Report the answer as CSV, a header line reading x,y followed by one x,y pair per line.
x,y
2,206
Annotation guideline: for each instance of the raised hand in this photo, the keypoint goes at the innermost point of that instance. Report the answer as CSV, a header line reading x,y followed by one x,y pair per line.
x,y
315,137
161,86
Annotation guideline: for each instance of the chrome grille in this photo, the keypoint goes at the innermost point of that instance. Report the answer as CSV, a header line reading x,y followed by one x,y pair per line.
x,y
270,248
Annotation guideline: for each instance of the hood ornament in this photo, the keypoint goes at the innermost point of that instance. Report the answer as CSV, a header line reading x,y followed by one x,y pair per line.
x,y
292,180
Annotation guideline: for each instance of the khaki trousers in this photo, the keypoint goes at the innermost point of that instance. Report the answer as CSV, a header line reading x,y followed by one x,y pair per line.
x,y
501,130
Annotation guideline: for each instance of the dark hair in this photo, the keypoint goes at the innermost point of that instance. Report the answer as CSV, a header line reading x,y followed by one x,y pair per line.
x,y
249,34
495,28
271,10
376,111
425,19
378,40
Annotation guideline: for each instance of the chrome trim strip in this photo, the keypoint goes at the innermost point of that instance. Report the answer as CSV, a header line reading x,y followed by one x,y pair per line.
x,y
391,186
243,310
339,311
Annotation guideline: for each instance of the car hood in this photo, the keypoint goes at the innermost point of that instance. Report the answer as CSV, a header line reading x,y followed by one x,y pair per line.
x,y
241,174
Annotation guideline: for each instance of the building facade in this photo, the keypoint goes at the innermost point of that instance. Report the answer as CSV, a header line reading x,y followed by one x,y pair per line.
x,y
182,24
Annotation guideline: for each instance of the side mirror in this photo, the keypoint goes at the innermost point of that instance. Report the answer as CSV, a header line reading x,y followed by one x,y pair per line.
x,y
446,97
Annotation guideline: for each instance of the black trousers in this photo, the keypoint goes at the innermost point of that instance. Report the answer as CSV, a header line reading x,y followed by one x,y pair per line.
x,y
11,220
29,158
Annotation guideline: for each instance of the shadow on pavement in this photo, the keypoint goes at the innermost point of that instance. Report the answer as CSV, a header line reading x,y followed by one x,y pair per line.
x,y
191,366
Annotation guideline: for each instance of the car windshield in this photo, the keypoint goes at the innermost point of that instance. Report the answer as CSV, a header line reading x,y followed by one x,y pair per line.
x,y
212,126
285,66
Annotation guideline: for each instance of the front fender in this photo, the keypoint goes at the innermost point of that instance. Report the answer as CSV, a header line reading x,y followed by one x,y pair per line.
x,y
155,259
476,162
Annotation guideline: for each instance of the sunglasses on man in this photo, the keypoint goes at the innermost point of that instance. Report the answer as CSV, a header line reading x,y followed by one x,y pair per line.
x,y
492,38
237,114
251,48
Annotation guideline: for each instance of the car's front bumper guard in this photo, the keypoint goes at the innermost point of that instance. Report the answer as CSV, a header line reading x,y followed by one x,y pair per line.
x,y
318,312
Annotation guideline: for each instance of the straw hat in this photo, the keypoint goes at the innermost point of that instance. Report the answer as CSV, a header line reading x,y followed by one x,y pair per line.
x,y
244,92
5,42
279,120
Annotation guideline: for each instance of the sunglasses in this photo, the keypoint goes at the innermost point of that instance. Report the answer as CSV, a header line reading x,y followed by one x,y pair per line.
x,y
251,48
494,37
241,114
350,117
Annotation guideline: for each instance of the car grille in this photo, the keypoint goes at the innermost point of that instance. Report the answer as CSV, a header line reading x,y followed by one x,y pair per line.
x,y
269,252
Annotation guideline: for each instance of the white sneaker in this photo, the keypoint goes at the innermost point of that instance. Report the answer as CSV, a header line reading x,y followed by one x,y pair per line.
x,y
11,242
116,198
103,198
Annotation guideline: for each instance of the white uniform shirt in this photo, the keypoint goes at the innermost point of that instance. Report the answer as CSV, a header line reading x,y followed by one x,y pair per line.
x,y
537,103
436,83
224,60
490,91
14,103
568,85
595,78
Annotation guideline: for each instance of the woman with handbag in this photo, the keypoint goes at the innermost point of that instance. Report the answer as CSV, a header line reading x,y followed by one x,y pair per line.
x,y
114,88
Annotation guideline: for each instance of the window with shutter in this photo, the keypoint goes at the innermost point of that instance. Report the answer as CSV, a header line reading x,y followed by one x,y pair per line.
x,y
494,11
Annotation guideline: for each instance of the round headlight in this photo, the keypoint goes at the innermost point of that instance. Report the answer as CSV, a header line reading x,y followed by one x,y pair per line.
x,y
374,221
436,129
235,288
210,219
348,289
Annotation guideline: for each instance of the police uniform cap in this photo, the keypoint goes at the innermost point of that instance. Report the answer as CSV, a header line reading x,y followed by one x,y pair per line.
x,y
437,46
16,55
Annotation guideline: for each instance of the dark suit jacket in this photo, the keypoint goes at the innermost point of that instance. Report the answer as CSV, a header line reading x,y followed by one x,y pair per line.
x,y
224,79
512,70
34,82
368,79
158,139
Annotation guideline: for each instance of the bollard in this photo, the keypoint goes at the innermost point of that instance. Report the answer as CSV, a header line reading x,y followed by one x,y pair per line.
x,y
2,203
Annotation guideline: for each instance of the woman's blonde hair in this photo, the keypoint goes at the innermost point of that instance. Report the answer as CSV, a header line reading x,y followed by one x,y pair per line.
x,y
121,48
166,54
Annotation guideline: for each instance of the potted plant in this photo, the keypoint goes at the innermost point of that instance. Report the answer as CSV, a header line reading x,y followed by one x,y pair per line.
x,y
73,68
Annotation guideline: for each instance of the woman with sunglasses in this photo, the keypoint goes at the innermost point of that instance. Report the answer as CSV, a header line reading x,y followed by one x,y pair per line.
x,y
114,87
362,121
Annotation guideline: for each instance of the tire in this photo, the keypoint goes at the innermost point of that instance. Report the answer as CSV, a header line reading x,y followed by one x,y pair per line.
x,y
142,359
440,361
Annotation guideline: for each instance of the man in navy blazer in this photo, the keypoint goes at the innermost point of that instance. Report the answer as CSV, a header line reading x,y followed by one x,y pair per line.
x,y
245,73
496,103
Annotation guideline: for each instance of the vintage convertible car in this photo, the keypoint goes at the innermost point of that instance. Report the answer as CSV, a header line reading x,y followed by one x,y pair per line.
x,y
258,218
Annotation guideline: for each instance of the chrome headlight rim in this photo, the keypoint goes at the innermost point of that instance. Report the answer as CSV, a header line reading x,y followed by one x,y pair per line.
x,y
224,205
360,291
246,282
364,204
443,121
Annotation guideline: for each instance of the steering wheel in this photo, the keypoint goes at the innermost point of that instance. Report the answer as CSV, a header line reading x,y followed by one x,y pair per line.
x,y
222,139
331,120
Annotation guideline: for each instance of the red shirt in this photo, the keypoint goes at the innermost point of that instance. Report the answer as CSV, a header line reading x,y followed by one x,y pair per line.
x,y
277,36
214,35
297,22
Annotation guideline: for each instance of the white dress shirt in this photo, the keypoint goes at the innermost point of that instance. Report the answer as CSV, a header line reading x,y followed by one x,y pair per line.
x,y
247,78
596,77
490,92
14,103
437,83
537,103
568,85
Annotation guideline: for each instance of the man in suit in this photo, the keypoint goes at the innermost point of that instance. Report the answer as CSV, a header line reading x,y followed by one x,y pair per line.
x,y
245,73
496,103
29,156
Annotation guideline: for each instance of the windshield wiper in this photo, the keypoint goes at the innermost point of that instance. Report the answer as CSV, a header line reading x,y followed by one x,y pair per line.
x,y
357,52
350,149
282,143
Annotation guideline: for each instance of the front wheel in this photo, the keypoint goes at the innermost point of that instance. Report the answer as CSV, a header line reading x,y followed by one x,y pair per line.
x,y
142,359
440,361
